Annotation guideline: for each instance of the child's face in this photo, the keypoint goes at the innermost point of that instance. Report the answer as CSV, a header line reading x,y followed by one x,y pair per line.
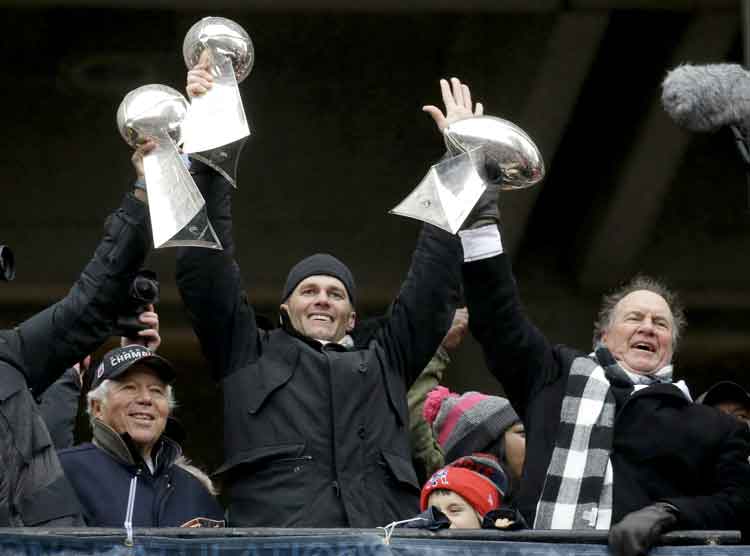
x,y
461,514
515,449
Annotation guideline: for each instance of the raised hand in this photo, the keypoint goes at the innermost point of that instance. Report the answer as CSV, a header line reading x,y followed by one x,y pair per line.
x,y
148,338
199,79
140,151
458,329
458,104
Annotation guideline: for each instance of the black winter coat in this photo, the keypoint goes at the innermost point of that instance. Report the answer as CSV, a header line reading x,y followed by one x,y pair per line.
x,y
664,447
59,408
101,475
33,490
315,436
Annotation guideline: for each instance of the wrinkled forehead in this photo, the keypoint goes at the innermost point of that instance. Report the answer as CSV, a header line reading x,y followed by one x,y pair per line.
x,y
646,302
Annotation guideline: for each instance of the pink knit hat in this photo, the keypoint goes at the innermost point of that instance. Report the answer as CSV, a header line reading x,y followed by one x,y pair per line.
x,y
468,423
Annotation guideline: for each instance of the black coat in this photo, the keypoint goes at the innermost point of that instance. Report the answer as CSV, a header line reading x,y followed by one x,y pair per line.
x,y
315,436
101,475
664,446
58,406
33,490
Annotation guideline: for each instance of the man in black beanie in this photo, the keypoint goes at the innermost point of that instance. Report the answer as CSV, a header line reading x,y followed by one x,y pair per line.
x,y
315,413
317,276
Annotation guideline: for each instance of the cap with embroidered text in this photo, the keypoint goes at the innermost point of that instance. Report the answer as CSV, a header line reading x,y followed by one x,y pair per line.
x,y
117,361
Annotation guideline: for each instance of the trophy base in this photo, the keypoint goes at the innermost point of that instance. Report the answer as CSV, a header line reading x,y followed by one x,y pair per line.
x,y
197,233
224,160
446,195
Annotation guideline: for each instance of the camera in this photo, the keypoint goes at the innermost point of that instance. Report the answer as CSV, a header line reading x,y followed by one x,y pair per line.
x,y
144,291
7,264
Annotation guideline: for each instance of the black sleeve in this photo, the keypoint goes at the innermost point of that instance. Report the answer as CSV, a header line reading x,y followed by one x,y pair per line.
x,y
728,505
423,311
210,285
517,353
56,338
59,408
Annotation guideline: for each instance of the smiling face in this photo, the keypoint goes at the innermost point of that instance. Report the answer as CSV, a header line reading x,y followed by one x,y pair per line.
x,y
137,404
319,308
640,334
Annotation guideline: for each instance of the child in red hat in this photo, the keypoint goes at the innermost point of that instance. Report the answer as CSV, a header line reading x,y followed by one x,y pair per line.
x,y
466,491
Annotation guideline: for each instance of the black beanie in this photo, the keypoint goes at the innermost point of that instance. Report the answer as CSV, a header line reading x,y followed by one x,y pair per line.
x,y
319,264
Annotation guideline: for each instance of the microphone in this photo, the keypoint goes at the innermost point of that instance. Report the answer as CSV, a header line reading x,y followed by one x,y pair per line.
x,y
707,98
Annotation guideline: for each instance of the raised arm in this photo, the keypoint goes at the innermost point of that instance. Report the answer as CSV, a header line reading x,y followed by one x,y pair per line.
x,y
422,313
56,338
425,448
516,352
210,285
209,280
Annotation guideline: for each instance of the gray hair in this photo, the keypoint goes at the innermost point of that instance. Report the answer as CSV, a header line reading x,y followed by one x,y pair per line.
x,y
101,393
638,283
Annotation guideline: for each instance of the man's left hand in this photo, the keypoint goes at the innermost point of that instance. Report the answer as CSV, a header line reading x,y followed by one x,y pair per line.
x,y
638,530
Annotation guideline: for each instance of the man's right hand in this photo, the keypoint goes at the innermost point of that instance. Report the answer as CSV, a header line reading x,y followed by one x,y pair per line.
x,y
150,337
199,79
639,530
137,159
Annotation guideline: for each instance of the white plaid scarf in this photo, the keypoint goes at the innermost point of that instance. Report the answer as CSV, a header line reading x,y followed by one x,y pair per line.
x,y
577,492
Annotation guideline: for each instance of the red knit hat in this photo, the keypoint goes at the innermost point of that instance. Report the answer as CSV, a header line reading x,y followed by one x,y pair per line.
x,y
478,478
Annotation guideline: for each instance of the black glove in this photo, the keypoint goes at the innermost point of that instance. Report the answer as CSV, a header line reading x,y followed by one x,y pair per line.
x,y
432,520
637,531
485,212
508,519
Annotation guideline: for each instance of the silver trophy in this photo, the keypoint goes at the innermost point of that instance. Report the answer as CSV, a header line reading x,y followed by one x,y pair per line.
x,y
482,149
176,206
216,127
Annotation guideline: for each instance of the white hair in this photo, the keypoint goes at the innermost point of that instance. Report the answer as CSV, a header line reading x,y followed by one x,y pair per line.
x,y
101,394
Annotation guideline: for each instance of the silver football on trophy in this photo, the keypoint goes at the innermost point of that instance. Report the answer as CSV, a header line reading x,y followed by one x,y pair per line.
x,y
222,36
510,156
149,111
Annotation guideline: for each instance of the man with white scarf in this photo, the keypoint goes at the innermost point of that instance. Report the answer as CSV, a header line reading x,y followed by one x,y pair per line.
x,y
612,442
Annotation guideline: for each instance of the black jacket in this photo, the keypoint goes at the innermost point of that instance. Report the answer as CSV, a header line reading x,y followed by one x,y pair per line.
x,y
58,406
664,446
315,436
33,490
101,475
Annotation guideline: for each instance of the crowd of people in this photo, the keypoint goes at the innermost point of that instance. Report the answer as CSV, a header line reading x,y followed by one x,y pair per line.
x,y
334,421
